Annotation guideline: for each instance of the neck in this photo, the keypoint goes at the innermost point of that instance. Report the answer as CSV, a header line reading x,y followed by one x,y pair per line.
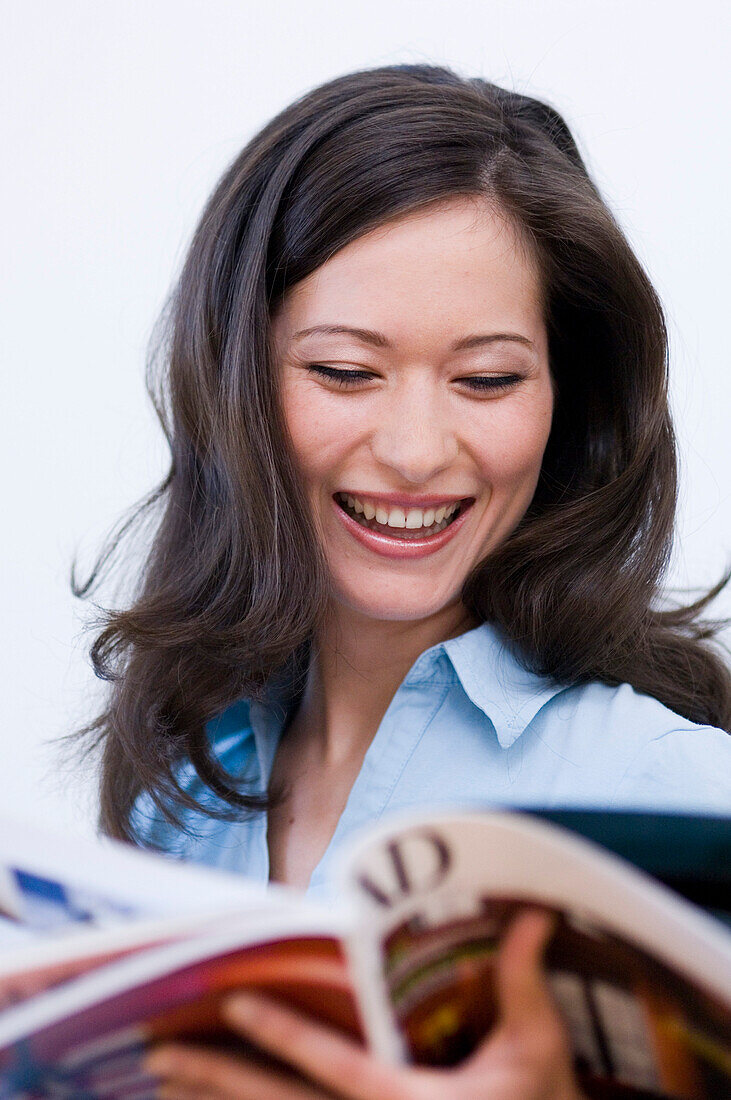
x,y
356,666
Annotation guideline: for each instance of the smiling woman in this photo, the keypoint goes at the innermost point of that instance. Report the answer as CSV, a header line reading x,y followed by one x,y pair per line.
x,y
405,293
421,498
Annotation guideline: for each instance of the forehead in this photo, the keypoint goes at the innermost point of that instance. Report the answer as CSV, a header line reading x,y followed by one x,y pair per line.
x,y
441,270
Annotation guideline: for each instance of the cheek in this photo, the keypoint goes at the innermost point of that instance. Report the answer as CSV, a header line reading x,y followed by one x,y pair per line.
x,y
318,435
512,446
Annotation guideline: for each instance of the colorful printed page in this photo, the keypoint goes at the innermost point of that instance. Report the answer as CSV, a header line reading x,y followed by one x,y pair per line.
x,y
88,1037
69,905
31,970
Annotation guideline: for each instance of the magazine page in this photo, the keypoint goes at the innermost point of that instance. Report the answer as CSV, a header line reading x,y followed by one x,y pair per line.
x,y
50,882
34,966
70,905
642,977
87,1037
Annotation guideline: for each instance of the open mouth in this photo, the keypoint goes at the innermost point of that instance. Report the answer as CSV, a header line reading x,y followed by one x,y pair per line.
x,y
396,523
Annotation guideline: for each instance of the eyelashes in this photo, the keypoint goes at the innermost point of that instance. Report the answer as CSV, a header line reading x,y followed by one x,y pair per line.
x,y
341,377
492,382
352,378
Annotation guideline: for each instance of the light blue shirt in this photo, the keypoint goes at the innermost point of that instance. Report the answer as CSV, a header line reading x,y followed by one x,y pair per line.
x,y
468,724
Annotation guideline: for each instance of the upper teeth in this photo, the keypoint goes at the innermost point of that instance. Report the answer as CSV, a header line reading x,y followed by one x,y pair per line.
x,y
400,517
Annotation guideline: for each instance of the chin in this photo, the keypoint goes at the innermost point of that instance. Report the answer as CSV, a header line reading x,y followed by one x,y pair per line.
x,y
397,610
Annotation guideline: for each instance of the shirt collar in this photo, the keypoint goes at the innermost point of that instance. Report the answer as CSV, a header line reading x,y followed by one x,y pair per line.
x,y
494,678
487,665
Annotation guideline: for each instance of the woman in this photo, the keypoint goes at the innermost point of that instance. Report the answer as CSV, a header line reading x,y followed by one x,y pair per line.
x,y
420,503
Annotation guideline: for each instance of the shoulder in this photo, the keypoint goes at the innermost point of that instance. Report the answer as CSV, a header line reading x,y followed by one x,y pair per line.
x,y
231,738
650,755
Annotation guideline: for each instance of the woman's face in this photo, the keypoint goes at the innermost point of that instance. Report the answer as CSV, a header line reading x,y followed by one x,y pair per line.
x,y
435,393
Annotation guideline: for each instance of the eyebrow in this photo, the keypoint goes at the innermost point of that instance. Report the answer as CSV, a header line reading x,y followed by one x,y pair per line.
x,y
378,340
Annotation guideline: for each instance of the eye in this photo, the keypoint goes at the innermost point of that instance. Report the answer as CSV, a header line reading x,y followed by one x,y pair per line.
x,y
340,377
492,382
481,383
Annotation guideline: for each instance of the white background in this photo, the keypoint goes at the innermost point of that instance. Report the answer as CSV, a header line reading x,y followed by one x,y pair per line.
x,y
118,118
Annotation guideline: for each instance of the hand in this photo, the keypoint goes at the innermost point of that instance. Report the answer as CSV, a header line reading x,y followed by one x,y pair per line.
x,y
526,1056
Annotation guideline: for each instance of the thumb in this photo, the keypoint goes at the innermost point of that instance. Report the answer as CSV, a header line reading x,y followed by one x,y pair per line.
x,y
522,989
530,1041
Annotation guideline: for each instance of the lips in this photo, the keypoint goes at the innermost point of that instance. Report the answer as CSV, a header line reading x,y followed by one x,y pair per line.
x,y
398,543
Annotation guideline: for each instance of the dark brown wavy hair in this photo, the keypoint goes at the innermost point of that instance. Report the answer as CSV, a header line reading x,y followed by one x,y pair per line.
x,y
234,583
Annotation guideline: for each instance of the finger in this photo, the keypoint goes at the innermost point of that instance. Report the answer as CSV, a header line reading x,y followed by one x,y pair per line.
x,y
203,1072
521,984
318,1051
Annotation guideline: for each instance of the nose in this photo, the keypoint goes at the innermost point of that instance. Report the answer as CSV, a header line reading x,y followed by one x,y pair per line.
x,y
414,434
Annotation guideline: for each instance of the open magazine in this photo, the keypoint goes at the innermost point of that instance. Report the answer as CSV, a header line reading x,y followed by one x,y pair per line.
x,y
105,950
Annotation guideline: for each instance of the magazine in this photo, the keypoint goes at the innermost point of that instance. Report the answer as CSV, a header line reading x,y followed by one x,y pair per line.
x,y
106,950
